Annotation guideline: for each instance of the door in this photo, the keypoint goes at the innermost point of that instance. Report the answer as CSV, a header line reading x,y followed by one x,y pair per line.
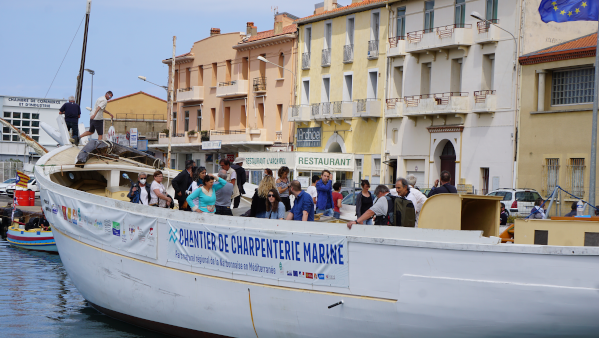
x,y
448,161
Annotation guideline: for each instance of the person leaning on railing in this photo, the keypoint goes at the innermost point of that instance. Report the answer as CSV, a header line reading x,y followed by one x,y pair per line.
x,y
207,194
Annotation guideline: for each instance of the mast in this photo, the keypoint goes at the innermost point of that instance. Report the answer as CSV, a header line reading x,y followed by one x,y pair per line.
x,y
170,93
82,65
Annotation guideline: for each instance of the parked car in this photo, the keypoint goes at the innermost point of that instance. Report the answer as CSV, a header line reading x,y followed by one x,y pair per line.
x,y
31,185
348,209
518,202
5,184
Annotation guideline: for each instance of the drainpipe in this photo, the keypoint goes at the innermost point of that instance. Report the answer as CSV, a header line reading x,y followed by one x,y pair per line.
x,y
383,107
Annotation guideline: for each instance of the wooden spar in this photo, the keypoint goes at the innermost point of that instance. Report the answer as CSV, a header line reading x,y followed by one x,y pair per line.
x,y
83,51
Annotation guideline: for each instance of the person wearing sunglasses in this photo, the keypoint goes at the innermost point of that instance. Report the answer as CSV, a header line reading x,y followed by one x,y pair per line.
x,y
275,208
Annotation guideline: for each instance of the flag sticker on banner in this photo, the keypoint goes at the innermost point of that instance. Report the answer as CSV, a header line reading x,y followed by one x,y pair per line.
x,y
22,180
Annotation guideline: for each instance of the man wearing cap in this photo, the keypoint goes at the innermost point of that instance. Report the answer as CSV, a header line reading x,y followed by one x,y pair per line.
x,y
72,114
241,179
182,182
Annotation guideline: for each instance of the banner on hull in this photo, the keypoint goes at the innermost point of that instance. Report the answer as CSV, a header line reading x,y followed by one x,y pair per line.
x,y
294,257
119,229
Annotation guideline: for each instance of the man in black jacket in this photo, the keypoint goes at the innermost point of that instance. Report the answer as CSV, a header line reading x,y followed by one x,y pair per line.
x,y
241,179
445,187
182,182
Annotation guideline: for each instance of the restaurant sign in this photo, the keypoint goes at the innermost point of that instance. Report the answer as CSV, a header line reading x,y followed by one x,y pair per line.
x,y
298,160
308,137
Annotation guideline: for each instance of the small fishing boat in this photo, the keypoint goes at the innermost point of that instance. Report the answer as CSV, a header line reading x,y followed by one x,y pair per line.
x,y
33,239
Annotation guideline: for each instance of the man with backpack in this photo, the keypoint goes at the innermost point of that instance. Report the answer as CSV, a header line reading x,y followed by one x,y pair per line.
x,y
379,208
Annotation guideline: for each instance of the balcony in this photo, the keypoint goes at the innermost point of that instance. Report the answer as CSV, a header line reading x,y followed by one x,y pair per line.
x,y
368,108
299,113
487,33
306,60
236,136
394,107
232,88
348,53
259,85
373,49
195,93
451,103
180,138
326,57
434,39
396,46
485,102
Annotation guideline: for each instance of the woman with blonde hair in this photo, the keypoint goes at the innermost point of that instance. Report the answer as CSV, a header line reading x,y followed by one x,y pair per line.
x,y
258,208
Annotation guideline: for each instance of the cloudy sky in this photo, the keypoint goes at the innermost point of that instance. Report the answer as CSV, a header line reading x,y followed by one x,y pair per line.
x,y
126,38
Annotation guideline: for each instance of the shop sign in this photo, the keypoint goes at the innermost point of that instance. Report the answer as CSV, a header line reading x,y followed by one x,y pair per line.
x,y
308,137
320,161
270,160
33,102
208,145
133,138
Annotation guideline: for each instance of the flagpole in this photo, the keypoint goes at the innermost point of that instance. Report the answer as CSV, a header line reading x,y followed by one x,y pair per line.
x,y
593,159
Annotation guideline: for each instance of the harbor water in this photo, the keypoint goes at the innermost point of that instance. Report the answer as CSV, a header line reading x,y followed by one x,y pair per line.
x,y
37,299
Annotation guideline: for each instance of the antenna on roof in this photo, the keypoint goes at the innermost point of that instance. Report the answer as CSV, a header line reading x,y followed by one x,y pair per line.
x,y
275,10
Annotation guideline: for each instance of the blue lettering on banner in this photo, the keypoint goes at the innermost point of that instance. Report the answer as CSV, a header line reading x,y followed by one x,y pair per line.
x,y
283,256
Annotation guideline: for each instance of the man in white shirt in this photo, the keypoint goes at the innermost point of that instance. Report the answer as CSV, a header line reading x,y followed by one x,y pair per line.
x,y
312,190
97,116
416,196
231,176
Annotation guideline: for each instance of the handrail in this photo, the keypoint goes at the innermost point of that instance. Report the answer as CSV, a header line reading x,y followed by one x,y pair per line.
x,y
373,47
306,60
228,83
394,40
484,26
326,57
314,109
227,132
184,89
348,53
480,95
259,84
391,103
442,32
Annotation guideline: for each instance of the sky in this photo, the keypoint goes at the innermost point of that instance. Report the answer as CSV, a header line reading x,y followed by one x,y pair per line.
x,y
126,38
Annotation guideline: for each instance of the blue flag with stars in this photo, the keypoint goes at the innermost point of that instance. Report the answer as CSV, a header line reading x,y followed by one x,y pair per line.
x,y
568,10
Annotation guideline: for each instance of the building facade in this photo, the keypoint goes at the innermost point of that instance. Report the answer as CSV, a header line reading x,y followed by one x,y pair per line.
x,y
147,113
452,84
224,93
340,86
555,120
26,113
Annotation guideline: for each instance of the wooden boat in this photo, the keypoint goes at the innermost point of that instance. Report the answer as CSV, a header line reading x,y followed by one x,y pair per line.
x,y
33,239
187,274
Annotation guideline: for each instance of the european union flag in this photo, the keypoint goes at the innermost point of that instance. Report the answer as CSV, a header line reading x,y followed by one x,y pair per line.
x,y
568,10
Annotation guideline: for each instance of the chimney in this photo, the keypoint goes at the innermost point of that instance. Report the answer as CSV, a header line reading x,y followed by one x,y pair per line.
x,y
320,8
328,5
278,28
215,31
250,29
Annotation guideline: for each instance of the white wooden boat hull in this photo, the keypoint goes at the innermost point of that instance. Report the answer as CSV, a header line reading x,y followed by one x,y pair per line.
x,y
401,282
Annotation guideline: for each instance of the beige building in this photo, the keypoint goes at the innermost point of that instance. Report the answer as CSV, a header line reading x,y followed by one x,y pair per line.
x,y
225,93
555,121
139,110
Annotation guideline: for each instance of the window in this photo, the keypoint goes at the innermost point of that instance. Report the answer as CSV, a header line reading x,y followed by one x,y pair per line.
x,y
395,136
25,130
261,116
574,86
35,123
186,126
26,115
401,21
6,114
425,78
174,131
15,138
199,119
228,70
376,166
456,75
375,26
575,175
305,92
17,115
16,123
491,9
280,63
188,75
551,171
527,196
347,95
35,131
6,130
488,64
213,82
429,16
35,116
200,76
5,137
25,123
459,14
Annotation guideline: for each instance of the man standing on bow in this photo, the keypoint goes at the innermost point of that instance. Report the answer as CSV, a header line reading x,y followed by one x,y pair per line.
x,y
72,114
97,116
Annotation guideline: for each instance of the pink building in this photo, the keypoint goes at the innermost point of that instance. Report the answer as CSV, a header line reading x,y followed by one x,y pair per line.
x,y
225,93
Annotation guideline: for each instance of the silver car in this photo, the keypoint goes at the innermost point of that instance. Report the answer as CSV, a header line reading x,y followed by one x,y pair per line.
x,y
5,184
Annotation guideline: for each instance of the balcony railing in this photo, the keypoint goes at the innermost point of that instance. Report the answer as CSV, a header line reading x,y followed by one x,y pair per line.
x,y
484,26
348,53
314,109
278,136
448,31
296,110
373,49
368,108
394,40
443,99
337,107
227,132
326,57
412,101
306,60
480,95
325,108
416,36
227,83
391,103
259,84
181,90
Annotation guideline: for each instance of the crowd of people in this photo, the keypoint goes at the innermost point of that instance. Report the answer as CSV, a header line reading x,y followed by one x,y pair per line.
x,y
197,191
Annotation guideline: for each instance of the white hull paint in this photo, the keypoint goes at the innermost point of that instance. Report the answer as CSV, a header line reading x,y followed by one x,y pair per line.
x,y
402,283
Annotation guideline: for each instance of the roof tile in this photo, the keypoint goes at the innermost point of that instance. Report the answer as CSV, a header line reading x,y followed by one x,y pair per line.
x,y
353,5
268,34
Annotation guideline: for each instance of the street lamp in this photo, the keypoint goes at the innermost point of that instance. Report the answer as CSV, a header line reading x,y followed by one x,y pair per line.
x,y
143,78
478,16
92,94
